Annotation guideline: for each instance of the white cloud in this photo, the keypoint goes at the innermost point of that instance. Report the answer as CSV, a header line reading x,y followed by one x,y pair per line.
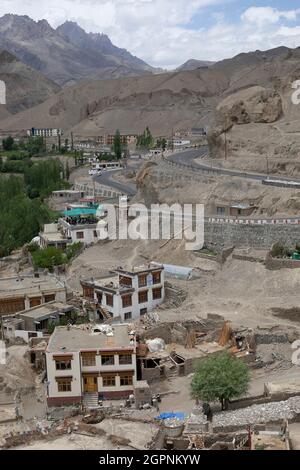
x,y
264,15
160,32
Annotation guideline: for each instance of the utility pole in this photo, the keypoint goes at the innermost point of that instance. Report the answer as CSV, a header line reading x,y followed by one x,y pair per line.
x,y
225,149
173,139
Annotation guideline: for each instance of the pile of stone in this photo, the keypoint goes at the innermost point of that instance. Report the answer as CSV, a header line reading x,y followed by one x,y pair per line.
x,y
255,414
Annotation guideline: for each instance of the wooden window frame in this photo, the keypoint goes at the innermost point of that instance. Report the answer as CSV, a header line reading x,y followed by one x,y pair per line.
x,y
127,378
127,315
103,356
143,296
108,380
88,360
125,281
123,357
126,300
142,283
64,361
64,384
154,275
110,303
78,236
154,296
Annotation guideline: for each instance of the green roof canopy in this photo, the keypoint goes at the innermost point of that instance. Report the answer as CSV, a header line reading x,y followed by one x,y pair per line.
x,y
78,212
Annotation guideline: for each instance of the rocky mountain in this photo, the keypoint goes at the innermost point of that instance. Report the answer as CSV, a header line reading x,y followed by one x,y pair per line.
x,y
160,101
25,87
3,112
194,64
246,101
66,54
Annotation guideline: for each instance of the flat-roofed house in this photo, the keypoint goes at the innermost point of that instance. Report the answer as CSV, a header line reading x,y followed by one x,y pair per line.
x,y
128,295
24,292
95,363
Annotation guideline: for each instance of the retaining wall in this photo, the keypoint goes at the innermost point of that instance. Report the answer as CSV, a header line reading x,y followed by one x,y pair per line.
x,y
253,236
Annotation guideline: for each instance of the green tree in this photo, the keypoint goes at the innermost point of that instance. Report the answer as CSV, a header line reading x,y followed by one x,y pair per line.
x,y
145,141
67,171
117,147
221,377
48,257
8,143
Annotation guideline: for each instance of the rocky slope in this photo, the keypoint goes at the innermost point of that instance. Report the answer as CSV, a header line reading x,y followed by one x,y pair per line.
x,y
25,87
194,64
160,101
67,54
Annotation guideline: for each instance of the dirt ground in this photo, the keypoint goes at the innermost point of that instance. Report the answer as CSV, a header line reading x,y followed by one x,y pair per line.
x,y
243,292
73,442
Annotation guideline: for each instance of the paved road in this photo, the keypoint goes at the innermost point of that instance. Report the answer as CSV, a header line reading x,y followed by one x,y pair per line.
x,y
187,157
107,178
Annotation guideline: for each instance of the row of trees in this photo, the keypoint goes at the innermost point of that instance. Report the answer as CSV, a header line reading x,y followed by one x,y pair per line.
x,y
28,147
145,141
21,217
22,211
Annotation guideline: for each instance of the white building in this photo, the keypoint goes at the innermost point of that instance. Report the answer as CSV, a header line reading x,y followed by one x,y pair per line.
x,y
83,228
45,132
129,295
81,361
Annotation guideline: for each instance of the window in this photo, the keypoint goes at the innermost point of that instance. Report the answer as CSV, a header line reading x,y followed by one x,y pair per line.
x,y
220,210
125,359
107,359
110,300
49,298
156,277
95,234
156,294
80,235
126,300
143,311
143,296
63,364
126,380
128,316
88,292
88,360
125,281
35,301
109,380
64,384
143,280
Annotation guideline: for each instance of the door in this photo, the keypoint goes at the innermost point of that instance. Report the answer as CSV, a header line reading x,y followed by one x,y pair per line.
x,y
90,384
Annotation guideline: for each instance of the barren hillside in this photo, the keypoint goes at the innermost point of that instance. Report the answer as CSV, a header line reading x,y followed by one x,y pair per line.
x,y
25,87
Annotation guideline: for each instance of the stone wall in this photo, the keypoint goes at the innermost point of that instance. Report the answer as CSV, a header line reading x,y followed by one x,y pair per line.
x,y
281,263
218,235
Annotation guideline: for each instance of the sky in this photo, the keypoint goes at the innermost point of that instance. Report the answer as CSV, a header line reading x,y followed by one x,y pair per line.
x,y
166,33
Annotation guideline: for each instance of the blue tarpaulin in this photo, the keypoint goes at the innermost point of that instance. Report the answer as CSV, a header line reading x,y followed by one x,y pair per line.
x,y
171,415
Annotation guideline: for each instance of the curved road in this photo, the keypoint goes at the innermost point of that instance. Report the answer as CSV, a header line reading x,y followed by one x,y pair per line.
x,y
187,157
184,158
107,178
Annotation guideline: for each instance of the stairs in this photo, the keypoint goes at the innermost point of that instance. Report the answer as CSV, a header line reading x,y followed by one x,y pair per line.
x,y
90,400
106,316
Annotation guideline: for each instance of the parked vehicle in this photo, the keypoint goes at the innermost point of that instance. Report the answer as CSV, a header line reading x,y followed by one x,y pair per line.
x,y
94,172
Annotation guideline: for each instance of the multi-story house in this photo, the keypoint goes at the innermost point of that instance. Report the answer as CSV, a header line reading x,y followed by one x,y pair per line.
x,y
129,295
24,292
95,362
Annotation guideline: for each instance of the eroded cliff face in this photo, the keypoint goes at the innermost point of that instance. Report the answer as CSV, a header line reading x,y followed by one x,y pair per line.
x,y
254,105
163,183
